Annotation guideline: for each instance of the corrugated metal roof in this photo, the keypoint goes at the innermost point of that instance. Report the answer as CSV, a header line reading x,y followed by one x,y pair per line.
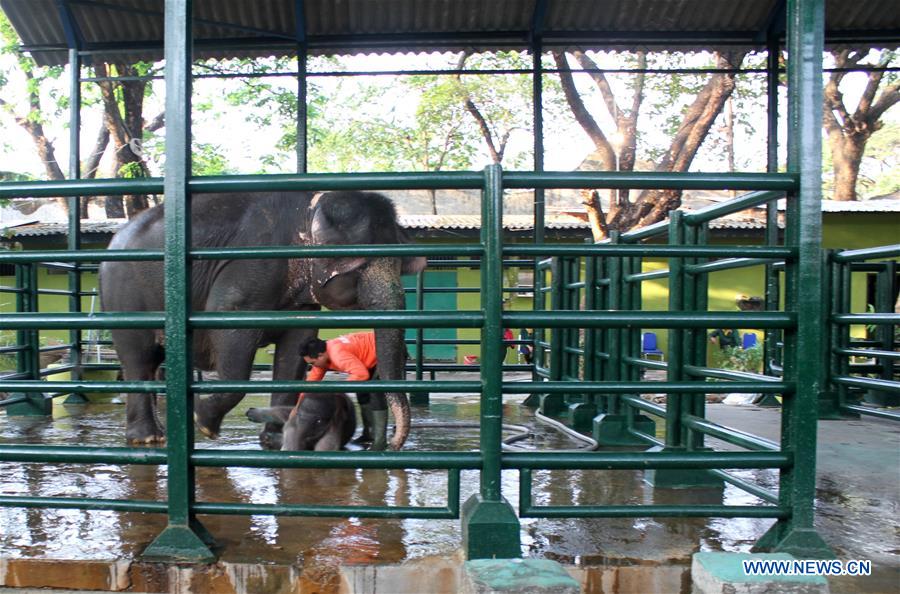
x,y
47,229
510,222
268,27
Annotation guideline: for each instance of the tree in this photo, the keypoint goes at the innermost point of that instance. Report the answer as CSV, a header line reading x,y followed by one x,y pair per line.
x,y
40,100
695,122
31,115
847,133
123,103
499,104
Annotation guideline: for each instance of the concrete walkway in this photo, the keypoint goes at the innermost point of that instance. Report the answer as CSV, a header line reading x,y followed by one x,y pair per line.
x,y
857,488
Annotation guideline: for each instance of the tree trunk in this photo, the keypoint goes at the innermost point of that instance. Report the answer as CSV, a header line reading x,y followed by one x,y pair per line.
x,y
126,129
847,134
847,156
652,205
45,149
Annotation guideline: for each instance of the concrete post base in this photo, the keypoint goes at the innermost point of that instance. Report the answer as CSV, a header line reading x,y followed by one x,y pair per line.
x,y
514,576
723,573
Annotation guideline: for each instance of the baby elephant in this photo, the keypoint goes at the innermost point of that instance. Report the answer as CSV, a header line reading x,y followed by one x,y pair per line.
x,y
317,422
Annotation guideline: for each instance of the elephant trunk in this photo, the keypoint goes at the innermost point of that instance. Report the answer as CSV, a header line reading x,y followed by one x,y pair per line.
x,y
380,289
391,362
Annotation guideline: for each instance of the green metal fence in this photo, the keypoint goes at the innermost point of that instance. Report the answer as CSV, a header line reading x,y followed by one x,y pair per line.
x,y
878,373
592,353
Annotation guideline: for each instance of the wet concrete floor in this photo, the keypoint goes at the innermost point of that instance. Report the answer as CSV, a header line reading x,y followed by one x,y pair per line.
x,y
859,488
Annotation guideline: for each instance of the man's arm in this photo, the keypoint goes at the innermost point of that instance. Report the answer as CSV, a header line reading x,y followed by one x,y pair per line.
x,y
315,374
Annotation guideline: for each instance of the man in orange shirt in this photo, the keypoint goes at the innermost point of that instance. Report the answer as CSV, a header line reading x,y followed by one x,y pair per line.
x,y
355,355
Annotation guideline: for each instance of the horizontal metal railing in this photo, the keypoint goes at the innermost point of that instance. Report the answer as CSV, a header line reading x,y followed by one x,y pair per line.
x,y
622,390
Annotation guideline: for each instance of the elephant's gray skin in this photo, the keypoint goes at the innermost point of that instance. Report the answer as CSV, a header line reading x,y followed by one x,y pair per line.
x,y
319,422
248,220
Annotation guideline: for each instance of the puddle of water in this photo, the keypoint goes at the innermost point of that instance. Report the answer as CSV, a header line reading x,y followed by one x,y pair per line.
x,y
75,534
325,543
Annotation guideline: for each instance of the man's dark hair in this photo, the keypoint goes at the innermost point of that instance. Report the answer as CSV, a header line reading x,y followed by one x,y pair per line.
x,y
312,348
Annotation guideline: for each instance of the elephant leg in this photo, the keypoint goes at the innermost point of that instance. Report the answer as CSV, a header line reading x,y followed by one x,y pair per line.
x,y
288,366
234,351
331,441
140,356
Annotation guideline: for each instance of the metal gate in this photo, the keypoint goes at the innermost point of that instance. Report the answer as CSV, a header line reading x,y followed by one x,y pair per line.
x,y
610,321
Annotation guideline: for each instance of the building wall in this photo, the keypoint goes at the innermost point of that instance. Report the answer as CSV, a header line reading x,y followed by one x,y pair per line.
x,y
840,230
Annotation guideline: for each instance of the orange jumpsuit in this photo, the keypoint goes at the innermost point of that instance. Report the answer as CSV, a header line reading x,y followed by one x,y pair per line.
x,y
353,354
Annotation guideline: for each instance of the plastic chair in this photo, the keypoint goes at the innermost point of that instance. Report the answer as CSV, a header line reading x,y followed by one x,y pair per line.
x,y
749,340
649,346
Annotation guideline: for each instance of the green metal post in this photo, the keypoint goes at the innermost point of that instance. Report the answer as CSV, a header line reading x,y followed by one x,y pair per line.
x,y
184,539
828,398
301,146
884,303
804,359
771,337
701,341
74,239
489,523
675,372
420,399
30,404
581,414
22,360
537,87
610,427
33,336
602,344
554,404
682,297
842,280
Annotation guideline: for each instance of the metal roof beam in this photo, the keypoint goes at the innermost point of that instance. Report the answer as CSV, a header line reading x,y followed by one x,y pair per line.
x,y
208,22
300,21
74,38
775,24
538,16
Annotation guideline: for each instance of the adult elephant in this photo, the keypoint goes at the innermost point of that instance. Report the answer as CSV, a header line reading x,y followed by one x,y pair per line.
x,y
259,219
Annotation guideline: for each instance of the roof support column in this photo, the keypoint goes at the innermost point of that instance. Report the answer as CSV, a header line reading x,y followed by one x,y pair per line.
x,y
184,539
805,354
302,111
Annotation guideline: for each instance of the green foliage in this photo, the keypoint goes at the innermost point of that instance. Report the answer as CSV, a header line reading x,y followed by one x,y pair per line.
x,y
207,159
8,361
738,358
880,166
131,170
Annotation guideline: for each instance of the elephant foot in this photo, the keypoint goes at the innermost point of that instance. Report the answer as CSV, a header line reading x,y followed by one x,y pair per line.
x,y
145,434
204,428
207,420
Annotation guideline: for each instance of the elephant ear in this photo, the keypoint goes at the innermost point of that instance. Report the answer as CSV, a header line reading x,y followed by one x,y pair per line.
x,y
413,265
